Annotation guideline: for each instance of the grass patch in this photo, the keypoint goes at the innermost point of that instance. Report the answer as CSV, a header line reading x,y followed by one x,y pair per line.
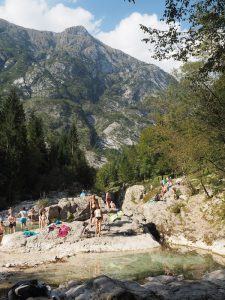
x,y
176,208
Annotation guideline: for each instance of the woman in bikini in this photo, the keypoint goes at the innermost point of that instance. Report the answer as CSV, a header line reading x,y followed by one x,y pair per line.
x,y
12,223
42,218
98,220
2,230
93,205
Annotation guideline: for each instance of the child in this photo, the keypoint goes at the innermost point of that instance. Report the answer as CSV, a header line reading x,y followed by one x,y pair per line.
x,y
98,221
2,230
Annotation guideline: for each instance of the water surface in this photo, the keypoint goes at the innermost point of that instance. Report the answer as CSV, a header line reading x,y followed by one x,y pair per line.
x,y
124,265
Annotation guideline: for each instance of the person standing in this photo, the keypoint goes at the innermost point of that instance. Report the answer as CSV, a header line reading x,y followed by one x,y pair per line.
x,y
31,214
93,205
23,218
42,218
98,220
108,199
12,223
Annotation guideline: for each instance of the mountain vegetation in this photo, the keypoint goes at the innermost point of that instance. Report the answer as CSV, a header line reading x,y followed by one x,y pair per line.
x,y
71,75
204,38
187,138
188,134
31,164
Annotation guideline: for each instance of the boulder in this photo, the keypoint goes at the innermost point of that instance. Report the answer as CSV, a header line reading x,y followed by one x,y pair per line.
x,y
13,241
104,287
133,199
53,212
79,207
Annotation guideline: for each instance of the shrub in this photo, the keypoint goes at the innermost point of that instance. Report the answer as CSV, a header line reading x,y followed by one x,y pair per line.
x,y
44,202
176,208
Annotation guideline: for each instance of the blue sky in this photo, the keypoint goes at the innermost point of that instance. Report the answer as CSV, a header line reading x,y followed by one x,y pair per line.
x,y
113,11
114,22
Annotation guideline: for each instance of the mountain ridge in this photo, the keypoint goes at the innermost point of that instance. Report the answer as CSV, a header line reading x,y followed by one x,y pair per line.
x,y
105,87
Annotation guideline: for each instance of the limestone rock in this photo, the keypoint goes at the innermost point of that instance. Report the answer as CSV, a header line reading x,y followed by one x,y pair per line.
x,y
133,198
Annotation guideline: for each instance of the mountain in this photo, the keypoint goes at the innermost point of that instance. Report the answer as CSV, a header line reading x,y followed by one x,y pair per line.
x,y
71,75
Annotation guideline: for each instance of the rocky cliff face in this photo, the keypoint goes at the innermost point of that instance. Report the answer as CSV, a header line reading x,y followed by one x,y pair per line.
x,y
73,75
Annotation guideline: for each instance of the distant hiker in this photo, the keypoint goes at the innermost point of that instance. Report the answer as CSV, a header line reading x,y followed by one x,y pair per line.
x,y
2,230
23,218
31,214
42,218
93,205
12,223
98,221
108,199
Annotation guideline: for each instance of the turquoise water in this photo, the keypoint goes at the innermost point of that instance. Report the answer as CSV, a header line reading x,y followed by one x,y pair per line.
x,y
132,266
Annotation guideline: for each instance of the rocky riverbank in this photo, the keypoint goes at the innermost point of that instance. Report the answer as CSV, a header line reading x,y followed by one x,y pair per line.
x,y
181,218
164,287
211,286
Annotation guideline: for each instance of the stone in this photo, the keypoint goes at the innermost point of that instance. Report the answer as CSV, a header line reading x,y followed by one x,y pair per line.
x,y
133,198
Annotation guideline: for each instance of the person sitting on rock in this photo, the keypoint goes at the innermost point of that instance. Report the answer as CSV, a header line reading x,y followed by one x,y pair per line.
x,y
23,218
98,221
2,230
112,204
12,223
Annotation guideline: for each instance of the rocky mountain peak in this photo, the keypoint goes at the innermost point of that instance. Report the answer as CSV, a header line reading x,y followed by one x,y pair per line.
x,y
71,74
77,30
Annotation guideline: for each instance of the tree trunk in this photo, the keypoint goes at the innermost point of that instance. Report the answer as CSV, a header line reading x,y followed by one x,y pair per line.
x,y
204,188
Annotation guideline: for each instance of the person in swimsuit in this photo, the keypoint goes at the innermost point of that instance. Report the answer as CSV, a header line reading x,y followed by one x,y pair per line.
x,y
42,218
23,218
108,200
98,220
31,215
2,230
12,223
93,205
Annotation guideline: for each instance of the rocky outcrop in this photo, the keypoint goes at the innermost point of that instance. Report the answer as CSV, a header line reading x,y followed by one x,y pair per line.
x,y
181,218
211,287
133,199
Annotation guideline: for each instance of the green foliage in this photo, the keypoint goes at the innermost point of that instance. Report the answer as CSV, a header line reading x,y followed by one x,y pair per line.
x,y
187,137
177,207
44,202
13,147
204,37
33,163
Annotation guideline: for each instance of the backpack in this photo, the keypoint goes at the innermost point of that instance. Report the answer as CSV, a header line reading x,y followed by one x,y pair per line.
x,y
28,288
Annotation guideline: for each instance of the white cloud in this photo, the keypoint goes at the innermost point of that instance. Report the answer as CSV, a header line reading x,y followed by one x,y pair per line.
x,y
127,36
37,14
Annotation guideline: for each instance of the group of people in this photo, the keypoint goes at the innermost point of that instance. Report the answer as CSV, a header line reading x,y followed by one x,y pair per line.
x,y
24,215
96,211
166,185
96,215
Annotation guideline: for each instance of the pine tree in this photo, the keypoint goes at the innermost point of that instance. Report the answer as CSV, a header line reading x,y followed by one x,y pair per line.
x,y
38,159
13,146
